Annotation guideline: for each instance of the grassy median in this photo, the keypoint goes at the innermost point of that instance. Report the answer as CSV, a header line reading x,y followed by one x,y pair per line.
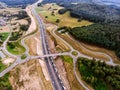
x,y
15,48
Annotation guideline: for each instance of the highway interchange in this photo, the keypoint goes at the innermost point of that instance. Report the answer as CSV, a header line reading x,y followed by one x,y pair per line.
x,y
48,57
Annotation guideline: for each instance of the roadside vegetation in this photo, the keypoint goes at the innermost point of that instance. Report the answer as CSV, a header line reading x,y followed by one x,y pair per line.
x,y
3,36
15,35
24,27
15,48
23,56
2,66
18,34
68,64
4,82
99,75
67,59
74,53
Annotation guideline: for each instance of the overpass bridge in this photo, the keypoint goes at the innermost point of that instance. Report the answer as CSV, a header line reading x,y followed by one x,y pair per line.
x,y
49,55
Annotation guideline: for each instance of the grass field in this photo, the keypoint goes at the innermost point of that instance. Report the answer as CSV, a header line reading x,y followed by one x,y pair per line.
x,y
74,53
2,66
65,19
15,48
3,36
67,59
23,56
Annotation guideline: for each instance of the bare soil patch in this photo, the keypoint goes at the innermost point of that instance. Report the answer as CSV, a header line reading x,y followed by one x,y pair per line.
x,y
8,61
33,25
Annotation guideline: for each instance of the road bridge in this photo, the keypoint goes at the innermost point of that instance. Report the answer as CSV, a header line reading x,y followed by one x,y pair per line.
x,y
49,55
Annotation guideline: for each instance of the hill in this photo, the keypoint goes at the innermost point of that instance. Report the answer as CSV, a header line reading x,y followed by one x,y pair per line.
x,y
113,2
2,5
97,13
18,2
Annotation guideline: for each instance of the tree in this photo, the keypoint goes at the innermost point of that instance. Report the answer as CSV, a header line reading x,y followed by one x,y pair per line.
x,y
24,27
62,11
53,13
11,45
109,79
58,20
46,16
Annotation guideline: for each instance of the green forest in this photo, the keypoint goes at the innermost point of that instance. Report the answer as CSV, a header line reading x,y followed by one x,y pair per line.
x,y
103,35
99,75
4,82
96,13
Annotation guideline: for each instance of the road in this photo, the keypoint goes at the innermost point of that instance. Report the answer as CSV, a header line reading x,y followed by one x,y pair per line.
x,y
74,58
56,82
4,45
110,62
50,55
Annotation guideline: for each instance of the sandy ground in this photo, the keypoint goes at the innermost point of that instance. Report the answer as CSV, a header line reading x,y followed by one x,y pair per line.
x,y
22,21
33,74
4,29
12,10
7,61
33,25
25,77
42,63
7,29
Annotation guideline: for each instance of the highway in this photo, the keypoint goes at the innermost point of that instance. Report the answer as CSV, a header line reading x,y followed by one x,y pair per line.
x,y
56,82
48,57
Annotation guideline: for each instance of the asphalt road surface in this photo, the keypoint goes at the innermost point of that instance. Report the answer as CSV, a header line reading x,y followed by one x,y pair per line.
x,y
56,82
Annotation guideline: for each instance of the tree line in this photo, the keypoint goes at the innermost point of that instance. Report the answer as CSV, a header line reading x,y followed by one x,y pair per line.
x,y
96,13
99,75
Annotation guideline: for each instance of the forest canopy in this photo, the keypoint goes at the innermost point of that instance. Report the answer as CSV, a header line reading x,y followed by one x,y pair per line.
x,y
103,35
